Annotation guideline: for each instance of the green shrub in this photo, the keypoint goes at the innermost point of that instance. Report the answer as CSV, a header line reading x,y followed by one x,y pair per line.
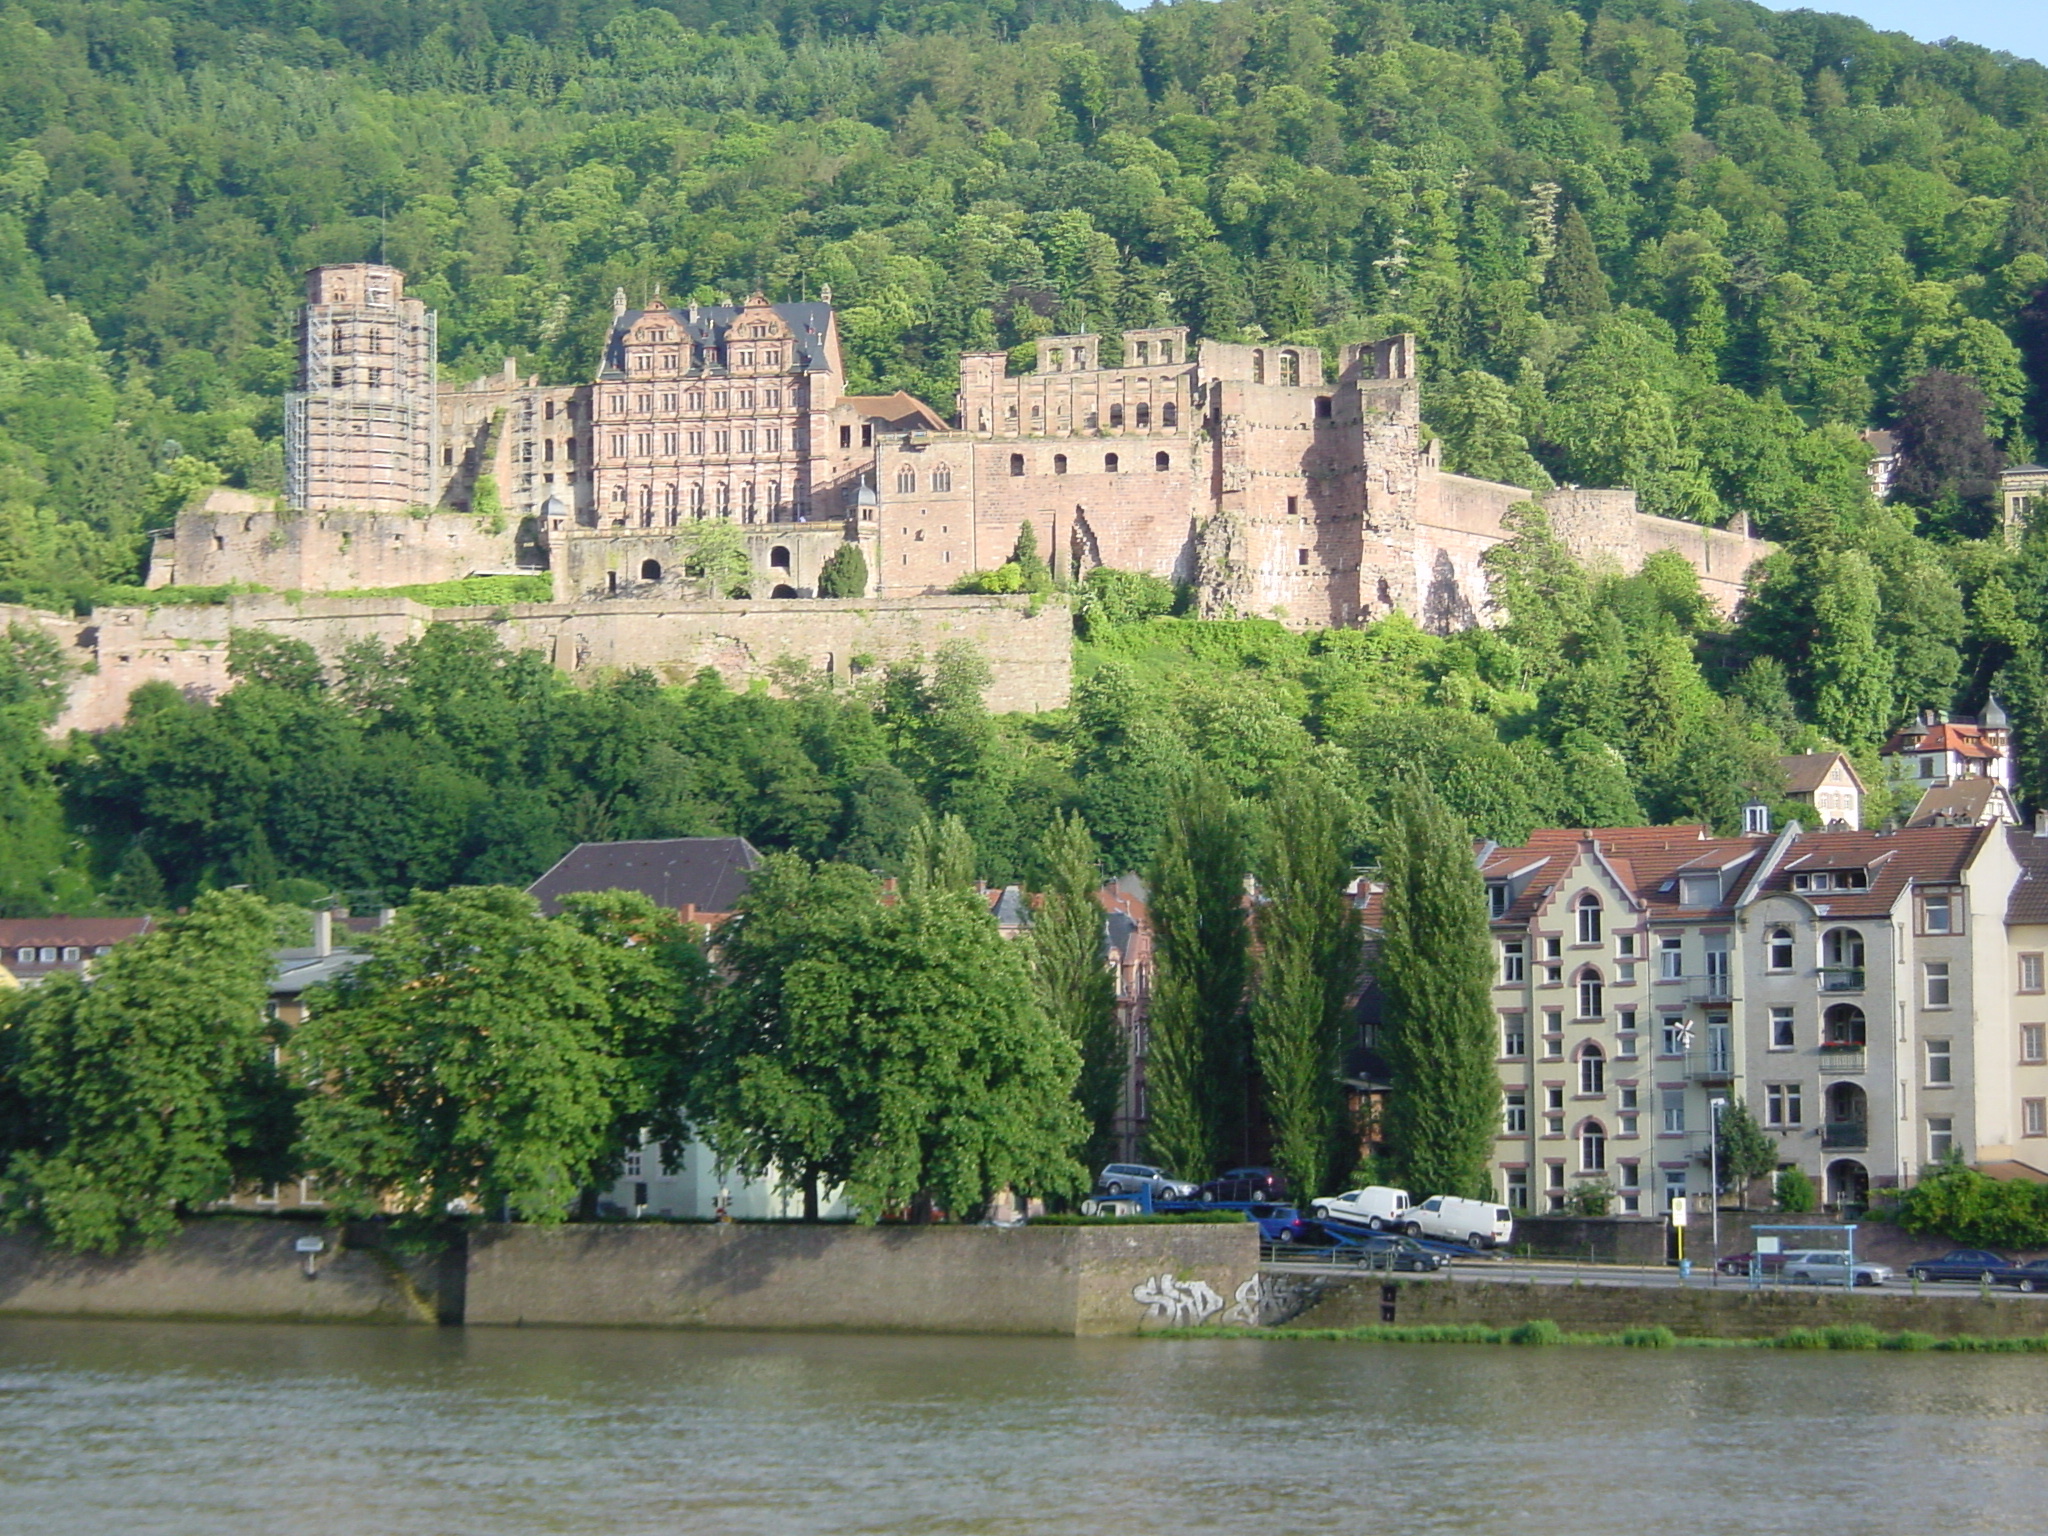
x,y
1650,1338
1802,1338
1962,1205
1110,597
845,573
1852,1336
1538,1331
1795,1191
1909,1340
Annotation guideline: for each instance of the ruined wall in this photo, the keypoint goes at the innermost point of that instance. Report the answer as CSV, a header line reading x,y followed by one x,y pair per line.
x,y
330,551
648,563
118,650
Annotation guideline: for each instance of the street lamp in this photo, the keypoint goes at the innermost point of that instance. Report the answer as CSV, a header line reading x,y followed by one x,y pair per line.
x,y
1714,1178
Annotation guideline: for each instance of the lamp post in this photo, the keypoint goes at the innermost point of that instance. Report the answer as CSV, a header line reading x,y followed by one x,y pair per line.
x,y
1714,1178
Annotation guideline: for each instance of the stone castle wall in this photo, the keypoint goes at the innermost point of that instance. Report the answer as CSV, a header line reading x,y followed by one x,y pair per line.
x,y
118,650
330,551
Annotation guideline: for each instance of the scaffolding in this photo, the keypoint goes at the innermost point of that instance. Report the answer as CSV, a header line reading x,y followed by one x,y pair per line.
x,y
362,430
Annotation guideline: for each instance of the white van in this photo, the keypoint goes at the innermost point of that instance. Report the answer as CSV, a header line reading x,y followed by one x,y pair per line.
x,y
1450,1219
1375,1206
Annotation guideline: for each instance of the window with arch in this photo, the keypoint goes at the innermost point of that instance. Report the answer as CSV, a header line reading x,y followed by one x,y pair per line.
x,y
1144,415
1592,1070
942,477
1592,1147
1116,415
1017,464
1162,461
1258,367
650,570
1592,994
1844,1028
723,497
619,496
1778,949
1841,960
1109,464
1059,463
906,481
1290,367
1169,415
697,501
778,558
1588,909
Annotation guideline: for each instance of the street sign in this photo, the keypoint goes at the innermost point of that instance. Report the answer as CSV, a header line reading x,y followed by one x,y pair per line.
x,y
310,1245
1678,1213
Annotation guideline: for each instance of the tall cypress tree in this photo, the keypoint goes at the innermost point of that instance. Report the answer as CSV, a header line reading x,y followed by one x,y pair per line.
x,y
1435,973
1575,288
1308,963
1074,987
1196,1068
1852,674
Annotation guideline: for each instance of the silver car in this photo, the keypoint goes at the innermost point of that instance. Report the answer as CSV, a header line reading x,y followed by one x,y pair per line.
x,y
1824,1266
1129,1178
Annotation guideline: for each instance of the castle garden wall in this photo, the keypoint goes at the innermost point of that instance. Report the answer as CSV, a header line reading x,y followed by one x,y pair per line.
x,y
118,650
330,551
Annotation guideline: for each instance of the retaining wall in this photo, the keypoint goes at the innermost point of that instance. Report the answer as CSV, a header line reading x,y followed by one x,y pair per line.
x,y
242,1270
1033,1280
1729,1311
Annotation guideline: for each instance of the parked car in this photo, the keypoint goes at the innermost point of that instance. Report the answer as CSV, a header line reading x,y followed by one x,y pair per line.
x,y
2031,1276
1238,1184
1375,1206
1280,1223
1738,1263
1829,1266
1400,1253
1976,1265
1112,1205
1454,1219
1129,1178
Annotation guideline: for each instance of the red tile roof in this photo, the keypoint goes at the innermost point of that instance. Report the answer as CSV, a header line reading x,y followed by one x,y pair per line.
x,y
1964,740
1895,860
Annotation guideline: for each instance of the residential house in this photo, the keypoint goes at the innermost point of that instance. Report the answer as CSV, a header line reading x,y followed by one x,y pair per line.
x,y
1936,750
1974,801
2019,1097
2019,488
36,948
1829,784
699,878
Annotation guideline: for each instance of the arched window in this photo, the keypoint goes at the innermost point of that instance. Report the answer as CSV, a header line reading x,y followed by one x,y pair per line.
x,y
1116,415
1016,463
1592,1147
1162,461
1592,993
942,478
696,501
1592,1070
906,481
1059,463
1841,960
1589,918
722,498
778,558
1843,1028
1109,464
1169,415
1778,949
1144,415
650,570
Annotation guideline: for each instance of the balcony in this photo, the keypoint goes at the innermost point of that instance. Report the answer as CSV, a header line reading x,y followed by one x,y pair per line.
x,y
1841,978
1845,1136
1712,1065
1708,989
1844,1058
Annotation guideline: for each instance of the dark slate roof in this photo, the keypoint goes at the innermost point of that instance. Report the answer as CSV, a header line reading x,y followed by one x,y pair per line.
x,y
705,325
1805,772
1963,802
708,873
2029,900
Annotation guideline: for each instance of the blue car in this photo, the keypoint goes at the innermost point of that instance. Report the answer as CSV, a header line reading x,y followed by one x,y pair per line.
x,y
1967,1264
1279,1223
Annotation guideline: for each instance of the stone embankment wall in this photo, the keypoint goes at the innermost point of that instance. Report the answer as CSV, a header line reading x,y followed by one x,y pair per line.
x,y
241,1270
1032,1280
1028,647
244,540
1731,1310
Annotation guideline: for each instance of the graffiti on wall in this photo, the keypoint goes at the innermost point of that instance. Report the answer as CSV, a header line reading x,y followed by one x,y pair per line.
x,y
1176,1303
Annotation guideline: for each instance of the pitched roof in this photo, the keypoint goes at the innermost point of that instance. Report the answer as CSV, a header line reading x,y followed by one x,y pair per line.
x,y
82,931
1805,772
902,410
706,325
707,873
1893,860
1950,736
2028,902
1965,802
1645,861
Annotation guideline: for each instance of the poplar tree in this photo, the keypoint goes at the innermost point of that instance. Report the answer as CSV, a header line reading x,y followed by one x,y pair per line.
x,y
1074,985
1435,973
1308,965
1196,1071
140,1094
1852,676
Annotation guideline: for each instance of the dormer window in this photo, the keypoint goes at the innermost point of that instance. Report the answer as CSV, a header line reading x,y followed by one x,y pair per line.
x,y
1499,897
1699,890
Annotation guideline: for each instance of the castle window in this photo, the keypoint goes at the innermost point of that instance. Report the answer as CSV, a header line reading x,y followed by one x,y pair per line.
x,y
668,402
1090,421
1293,505
773,442
569,449
1301,557
1059,463
906,481
668,444
942,478
867,434
1016,463
1169,415
846,437
340,378
650,570
723,498
1259,367
746,439
1109,464
1116,415
1144,416
643,403
614,404
696,442
1322,407
668,500
1162,461
644,442
1144,353
720,400
447,457
696,501
746,399
772,399
618,445
778,558
1166,351
693,401
668,361
547,451
1290,367
771,358
618,495
721,442
549,413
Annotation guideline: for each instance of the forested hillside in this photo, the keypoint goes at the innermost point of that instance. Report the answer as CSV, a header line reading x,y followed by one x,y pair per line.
x,y
1690,248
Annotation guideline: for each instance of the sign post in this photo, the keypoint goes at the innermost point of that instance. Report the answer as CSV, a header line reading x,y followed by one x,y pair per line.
x,y
1678,1215
310,1249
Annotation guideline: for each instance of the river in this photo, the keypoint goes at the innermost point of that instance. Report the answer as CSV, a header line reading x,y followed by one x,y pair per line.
x,y
151,1429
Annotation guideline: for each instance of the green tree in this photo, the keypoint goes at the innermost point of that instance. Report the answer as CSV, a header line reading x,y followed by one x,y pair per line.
x,y
1197,1070
474,1056
1031,567
1075,987
845,573
1435,973
1574,287
1795,1192
1482,431
1746,1152
1308,957
144,1091
1852,675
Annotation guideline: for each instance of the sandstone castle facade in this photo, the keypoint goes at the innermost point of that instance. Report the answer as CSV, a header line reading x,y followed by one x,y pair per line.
x,y
1273,485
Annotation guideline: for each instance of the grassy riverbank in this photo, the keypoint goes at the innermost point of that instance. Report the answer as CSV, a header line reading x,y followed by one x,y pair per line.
x,y
1542,1331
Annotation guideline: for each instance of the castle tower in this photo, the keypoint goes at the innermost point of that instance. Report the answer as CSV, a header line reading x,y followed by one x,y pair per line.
x,y
361,429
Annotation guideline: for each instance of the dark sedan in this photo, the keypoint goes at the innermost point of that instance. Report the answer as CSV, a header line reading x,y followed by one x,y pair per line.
x,y
2032,1276
1239,1184
1399,1253
1738,1263
1980,1265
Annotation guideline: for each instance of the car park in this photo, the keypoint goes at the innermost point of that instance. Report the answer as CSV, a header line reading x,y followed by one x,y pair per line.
x,y
1454,1219
1975,1265
1375,1206
1240,1184
2031,1276
1128,1178
1280,1223
1829,1266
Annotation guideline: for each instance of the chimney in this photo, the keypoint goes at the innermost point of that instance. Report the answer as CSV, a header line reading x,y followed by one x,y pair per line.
x,y
323,932
2041,823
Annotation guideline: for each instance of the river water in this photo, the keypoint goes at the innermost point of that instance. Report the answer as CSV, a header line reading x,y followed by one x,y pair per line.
x,y
202,1430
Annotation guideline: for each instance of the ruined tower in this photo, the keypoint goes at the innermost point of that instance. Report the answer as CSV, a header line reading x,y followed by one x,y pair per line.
x,y
361,429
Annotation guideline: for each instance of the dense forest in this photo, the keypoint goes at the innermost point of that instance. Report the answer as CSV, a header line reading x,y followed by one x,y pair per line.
x,y
1695,249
